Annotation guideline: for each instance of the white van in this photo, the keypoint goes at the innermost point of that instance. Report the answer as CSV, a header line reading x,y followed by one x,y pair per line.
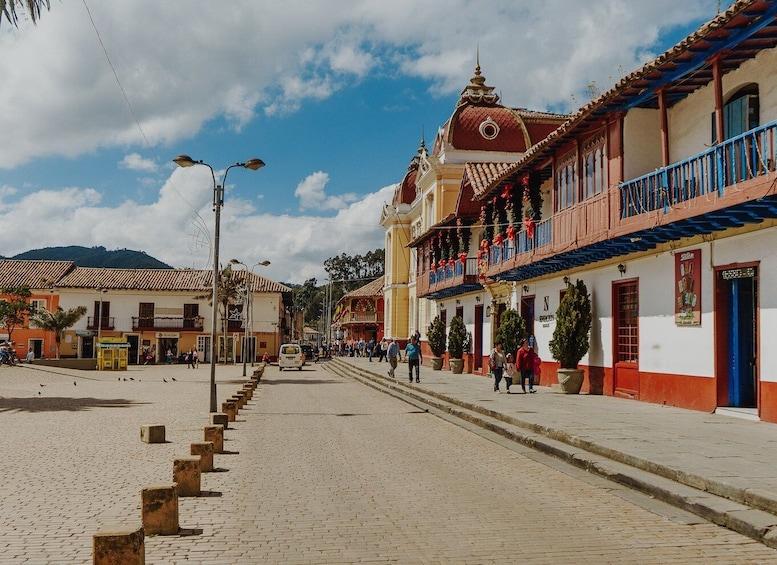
x,y
291,356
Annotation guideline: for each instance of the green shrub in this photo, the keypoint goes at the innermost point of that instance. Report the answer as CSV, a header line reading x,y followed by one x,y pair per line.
x,y
511,330
570,340
457,335
435,334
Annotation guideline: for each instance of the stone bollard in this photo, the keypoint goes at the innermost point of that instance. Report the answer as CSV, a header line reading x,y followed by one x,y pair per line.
x,y
219,419
152,433
205,450
186,474
240,398
215,435
119,544
160,510
249,393
230,409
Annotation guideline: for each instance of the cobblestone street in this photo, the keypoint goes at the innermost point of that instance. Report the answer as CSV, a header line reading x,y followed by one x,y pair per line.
x,y
320,469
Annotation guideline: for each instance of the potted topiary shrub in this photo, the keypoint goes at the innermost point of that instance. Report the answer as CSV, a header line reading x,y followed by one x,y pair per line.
x,y
571,336
457,335
435,335
511,330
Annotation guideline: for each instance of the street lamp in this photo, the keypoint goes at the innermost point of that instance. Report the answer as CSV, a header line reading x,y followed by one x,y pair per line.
x,y
218,202
249,305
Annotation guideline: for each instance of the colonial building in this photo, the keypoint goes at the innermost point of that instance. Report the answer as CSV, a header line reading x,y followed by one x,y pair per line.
x,y
154,309
359,314
431,254
661,196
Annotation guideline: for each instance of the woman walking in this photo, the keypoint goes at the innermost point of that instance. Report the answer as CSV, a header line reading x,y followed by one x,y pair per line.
x,y
526,358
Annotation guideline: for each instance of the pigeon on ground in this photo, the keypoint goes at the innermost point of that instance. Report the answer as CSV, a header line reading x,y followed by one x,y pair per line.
x,y
172,378
38,392
132,379
42,384
75,383
164,379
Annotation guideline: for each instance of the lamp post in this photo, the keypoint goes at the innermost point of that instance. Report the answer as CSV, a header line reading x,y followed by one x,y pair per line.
x,y
218,202
248,317
102,291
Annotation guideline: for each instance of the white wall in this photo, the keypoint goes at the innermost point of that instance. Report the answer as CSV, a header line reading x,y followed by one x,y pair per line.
x,y
641,142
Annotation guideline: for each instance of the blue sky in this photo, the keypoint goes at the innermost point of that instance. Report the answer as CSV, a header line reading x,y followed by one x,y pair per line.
x,y
333,96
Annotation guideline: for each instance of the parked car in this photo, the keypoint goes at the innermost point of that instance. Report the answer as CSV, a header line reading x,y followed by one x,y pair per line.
x,y
290,356
310,351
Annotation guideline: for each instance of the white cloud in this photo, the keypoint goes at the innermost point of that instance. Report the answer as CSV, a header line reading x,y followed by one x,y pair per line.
x,y
182,68
135,162
178,227
312,196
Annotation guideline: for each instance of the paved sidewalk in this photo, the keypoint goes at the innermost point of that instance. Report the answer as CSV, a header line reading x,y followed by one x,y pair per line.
x,y
727,456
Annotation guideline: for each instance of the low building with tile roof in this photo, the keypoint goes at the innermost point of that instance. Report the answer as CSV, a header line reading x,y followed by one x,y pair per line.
x,y
153,309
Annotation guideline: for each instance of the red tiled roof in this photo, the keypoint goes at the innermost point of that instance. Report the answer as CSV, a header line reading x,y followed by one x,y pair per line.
x,y
374,288
34,274
159,279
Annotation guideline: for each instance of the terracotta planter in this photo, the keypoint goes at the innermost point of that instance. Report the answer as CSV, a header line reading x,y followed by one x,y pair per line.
x,y
570,380
457,366
436,363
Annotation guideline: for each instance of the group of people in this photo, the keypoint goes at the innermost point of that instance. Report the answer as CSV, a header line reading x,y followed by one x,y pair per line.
x,y
412,355
525,365
192,359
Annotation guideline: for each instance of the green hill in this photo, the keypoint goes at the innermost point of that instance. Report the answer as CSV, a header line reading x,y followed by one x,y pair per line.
x,y
95,257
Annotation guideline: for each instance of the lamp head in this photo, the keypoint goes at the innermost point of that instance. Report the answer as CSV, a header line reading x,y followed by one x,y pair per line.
x,y
264,263
253,164
235,262
184,161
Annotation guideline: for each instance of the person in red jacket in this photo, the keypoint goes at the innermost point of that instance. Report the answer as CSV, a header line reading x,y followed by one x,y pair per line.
x,y
525,363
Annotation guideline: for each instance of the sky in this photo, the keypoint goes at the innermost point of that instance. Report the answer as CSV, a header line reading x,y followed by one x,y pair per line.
x,y
334,96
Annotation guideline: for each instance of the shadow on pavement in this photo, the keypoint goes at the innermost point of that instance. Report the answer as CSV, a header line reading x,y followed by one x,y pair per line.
x,y
52,404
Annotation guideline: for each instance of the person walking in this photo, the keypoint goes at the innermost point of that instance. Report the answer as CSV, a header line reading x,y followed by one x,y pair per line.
x,y
370,348
392,353
413,356
496,363
510,371
195,359
526,359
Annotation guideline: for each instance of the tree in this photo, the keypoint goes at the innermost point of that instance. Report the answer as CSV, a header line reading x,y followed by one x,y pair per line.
x,y
573,323
308,298
435,335
230,291
457,335
14,310
57,322
8,8
349,273
511,330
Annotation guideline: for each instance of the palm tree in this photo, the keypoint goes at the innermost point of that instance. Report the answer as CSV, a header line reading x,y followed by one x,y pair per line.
x,y
34,7
57,322
230,291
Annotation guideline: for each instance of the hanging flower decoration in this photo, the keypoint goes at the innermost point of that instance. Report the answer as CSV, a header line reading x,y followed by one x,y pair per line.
x,y
507,192
499,240
525,186
511,232
529,223
462,257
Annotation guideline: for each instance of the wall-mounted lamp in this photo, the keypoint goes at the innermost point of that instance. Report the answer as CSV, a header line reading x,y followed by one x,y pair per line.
x,y
488,311
458,301
526,288
477,299
622,269
566,280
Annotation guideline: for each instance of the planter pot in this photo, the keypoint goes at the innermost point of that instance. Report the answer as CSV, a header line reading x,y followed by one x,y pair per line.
x,y
570,380
436,363
457,366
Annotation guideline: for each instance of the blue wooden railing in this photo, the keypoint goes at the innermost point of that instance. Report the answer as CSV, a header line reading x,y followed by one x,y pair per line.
x,y
738,159
543,235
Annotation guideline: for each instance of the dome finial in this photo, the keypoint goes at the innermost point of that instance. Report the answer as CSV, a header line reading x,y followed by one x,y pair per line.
x,y
477,92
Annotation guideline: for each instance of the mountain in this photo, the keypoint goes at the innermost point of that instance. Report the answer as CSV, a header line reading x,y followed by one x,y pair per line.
x,y
95,257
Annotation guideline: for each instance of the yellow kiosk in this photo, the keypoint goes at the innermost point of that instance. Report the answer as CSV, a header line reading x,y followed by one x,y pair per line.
x,y
112,353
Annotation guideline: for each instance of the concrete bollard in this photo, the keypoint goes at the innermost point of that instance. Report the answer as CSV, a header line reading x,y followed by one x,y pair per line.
x,y
230,409
219,419
152,433
119,544
159,510
240,399
248,392
215,435
186,474
205,450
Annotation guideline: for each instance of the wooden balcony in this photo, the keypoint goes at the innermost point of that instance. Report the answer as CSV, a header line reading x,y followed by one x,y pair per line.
x,y
450,280
106,323
167,323
726,186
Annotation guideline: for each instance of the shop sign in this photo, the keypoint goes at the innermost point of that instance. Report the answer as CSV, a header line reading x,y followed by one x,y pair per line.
x,y
167,335
687,275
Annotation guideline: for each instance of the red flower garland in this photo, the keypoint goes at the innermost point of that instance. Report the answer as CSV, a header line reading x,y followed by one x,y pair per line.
x,y
529,223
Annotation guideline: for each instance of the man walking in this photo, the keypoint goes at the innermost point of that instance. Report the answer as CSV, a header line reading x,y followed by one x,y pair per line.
x,y
496,363
413,356
391,354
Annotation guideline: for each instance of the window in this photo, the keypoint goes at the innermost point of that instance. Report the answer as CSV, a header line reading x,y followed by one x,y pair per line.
x,y
38,304
740,113
566,181
190,314
594,160
627,323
